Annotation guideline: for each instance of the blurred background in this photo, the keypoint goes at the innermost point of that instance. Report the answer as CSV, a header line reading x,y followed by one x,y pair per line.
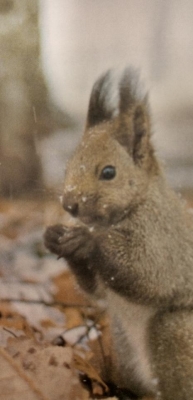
x,y
51,52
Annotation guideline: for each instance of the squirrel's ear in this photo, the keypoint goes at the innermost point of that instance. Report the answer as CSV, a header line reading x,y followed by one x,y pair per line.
x,y
133,124
119,98
104,100
141,145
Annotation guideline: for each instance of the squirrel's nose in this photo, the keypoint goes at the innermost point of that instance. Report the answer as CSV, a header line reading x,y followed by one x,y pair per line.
x,y
71,207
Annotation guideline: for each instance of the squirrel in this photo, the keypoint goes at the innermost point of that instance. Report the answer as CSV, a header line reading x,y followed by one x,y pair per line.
x,y
133,241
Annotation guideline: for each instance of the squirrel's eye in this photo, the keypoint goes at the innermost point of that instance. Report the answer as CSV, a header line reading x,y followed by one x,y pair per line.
x,y
108,173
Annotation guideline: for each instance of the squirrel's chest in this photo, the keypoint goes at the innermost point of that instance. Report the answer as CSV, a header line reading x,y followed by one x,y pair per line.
x,y
130,323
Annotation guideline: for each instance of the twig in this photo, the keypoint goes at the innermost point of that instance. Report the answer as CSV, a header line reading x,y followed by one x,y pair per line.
x,y
12,333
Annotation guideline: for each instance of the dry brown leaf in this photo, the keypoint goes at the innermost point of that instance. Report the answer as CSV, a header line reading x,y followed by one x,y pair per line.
x,y
73,318
50,367
14,383
13,320
98,385
47,323
68,290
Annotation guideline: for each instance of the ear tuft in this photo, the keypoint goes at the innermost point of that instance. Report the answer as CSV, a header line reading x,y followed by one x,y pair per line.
x,y
114,93
104,99
131,90
122,95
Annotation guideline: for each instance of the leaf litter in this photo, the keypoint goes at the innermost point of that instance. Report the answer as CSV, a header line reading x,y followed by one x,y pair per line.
x,y
49,330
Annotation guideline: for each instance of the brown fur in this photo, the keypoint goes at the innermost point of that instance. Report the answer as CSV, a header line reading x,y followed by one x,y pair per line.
x,y
132,245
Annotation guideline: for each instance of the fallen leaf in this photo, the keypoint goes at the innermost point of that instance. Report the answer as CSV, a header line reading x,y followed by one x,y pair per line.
x,y
49,368
13,320
14,383
99,387
68,290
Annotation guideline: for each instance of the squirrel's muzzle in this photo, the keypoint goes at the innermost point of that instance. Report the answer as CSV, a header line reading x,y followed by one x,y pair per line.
x,y
70,205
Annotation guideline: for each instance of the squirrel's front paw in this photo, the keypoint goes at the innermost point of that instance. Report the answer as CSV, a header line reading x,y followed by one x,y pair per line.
x,y
52,237
74,243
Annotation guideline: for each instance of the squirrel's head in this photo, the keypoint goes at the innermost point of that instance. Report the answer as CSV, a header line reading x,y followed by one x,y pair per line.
x,y
110,170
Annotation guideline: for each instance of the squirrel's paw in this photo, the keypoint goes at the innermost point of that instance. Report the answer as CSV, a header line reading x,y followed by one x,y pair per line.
x,y
52,238
73,243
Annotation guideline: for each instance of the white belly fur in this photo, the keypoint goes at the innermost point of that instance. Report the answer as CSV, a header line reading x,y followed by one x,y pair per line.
x,y
134,320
